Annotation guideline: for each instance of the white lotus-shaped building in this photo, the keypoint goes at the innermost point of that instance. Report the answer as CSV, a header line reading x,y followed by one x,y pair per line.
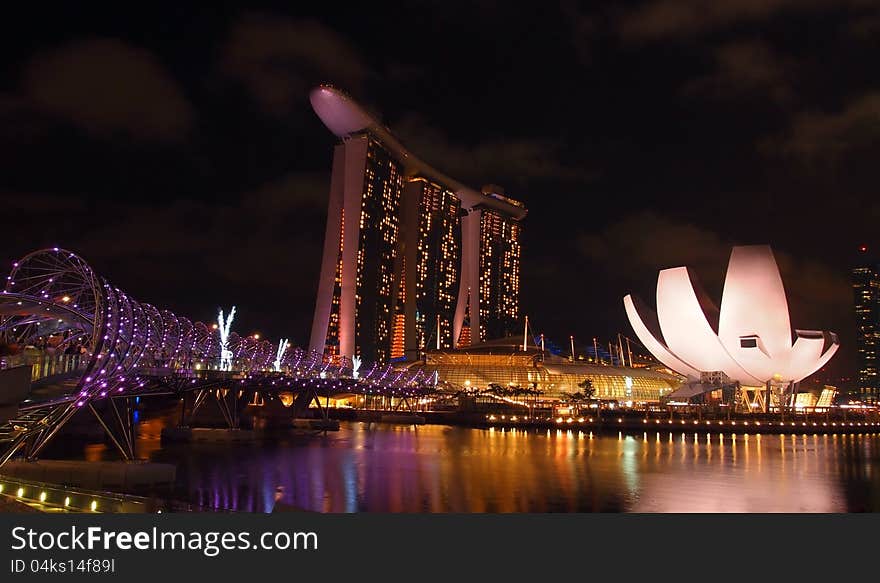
x,y
749,338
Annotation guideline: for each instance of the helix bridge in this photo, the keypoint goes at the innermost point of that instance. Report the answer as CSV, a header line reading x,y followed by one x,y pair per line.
x,y
109,348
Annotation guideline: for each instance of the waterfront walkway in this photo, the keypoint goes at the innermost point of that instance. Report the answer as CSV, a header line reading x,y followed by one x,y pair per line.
x,y
629,421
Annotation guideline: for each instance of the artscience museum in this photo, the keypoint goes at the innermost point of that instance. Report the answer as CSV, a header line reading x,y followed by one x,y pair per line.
x,y
747,341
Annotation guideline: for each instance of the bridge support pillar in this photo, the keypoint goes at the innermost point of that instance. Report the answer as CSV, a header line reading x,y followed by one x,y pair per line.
x,y
190,406
120,428
230,403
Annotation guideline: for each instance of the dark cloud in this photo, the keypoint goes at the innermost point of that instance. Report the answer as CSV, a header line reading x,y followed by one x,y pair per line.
x,y
509,159
292,192
41,203
583,27
744,68
22,122
645,242
663,19
826,136
255,240
865,28
280,59
108,87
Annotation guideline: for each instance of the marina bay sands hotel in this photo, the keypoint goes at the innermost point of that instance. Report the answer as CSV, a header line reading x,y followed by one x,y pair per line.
x,y
412,259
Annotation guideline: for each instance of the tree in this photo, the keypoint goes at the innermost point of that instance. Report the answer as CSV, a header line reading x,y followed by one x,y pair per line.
x,y
587,386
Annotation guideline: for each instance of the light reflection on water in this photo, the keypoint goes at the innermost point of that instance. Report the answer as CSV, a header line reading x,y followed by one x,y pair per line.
x,y
389,468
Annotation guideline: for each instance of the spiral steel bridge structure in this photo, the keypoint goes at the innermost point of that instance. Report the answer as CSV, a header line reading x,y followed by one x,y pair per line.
x,y
135,349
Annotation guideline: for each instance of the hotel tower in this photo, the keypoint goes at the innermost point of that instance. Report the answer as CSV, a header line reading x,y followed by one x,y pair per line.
x,y
412,259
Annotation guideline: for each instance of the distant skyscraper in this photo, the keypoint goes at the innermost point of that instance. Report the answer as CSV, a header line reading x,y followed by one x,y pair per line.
x,y
424,254
866,295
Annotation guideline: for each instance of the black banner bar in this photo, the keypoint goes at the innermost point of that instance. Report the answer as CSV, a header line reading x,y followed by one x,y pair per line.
x,y
241,547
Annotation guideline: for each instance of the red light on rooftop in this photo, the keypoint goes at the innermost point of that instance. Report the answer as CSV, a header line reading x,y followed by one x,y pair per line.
x,y
863,248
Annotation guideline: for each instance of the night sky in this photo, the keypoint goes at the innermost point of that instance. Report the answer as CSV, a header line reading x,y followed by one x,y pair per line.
x,y
175,150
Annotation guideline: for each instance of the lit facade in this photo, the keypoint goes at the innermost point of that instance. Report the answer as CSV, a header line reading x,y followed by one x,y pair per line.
x,y
356,289
479,366
866,301
749,338
432,247
410,256
377,247
499,274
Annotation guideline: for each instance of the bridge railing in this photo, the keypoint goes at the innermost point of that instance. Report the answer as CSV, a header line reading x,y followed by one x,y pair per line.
x,y
48,363
44,363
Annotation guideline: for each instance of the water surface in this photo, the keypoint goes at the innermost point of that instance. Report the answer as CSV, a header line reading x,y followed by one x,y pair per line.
x,y
391,468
